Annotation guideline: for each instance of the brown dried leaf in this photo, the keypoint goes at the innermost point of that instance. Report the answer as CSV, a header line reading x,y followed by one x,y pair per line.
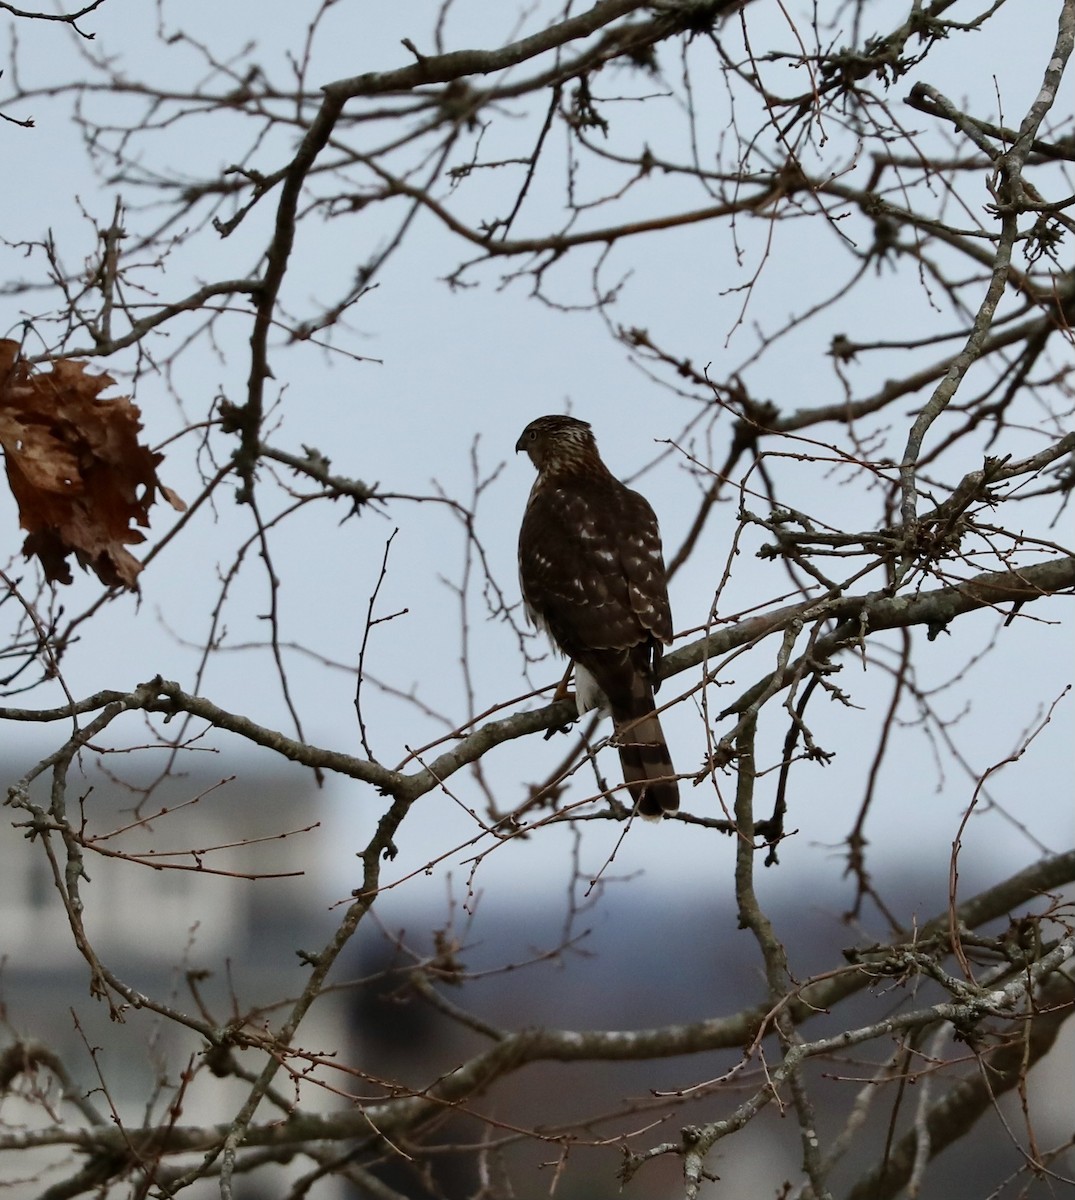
x,y
76,468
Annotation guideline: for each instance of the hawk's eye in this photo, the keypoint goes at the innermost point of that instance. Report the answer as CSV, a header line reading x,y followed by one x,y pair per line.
x,y
532,436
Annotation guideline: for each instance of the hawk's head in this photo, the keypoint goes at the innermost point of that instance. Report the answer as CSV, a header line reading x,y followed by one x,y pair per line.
x,y
558,443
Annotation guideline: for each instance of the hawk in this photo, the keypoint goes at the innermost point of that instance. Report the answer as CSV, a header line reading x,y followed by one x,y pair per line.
x,y
593,578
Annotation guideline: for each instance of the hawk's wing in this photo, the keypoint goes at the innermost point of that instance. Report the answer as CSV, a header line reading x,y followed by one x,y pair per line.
x,y
591,568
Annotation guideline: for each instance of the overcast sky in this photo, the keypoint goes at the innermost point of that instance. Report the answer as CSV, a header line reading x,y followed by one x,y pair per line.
x,y
459,368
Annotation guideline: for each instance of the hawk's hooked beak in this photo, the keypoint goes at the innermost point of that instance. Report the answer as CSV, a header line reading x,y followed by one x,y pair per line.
x,y
519,445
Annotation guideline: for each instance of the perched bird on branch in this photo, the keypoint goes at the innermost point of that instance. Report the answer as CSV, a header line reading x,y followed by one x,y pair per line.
x,y
593,578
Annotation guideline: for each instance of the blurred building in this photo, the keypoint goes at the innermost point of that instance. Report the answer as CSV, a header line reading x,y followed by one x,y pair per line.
x,y
200,892
207,893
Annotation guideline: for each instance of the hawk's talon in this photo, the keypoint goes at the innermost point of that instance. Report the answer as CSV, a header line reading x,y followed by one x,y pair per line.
x,y
565,728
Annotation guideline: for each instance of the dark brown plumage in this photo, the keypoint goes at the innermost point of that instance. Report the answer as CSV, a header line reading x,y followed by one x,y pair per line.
x,y
592,576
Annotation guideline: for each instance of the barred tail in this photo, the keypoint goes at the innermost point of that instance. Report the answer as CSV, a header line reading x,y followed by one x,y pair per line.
x,y
647,765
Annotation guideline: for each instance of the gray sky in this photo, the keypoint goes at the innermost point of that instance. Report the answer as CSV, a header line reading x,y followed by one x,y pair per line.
x,y
456,366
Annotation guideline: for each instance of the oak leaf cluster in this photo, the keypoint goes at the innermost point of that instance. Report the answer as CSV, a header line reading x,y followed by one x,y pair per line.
x,y
80,476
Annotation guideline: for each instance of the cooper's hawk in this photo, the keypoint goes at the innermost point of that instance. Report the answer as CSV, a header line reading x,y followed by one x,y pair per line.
x,y
593,579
